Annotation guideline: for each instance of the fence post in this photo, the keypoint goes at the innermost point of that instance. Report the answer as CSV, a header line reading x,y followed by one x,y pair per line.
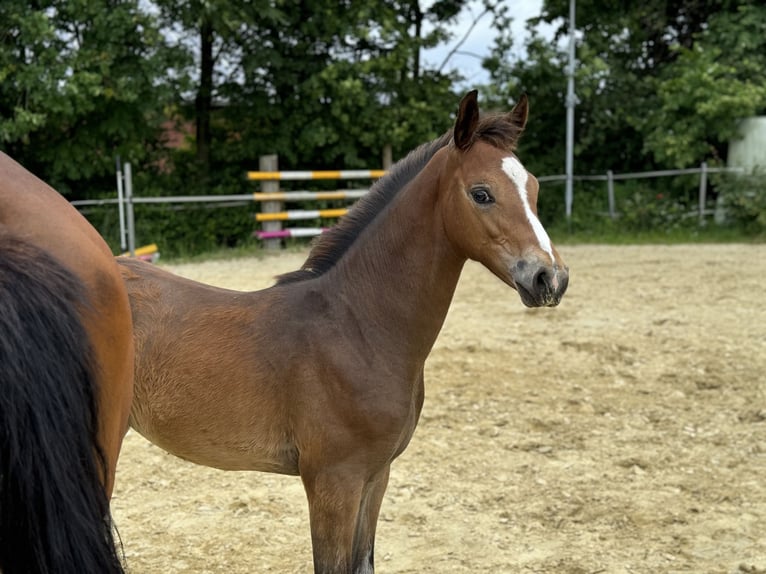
x,y
610,192
120,205
129,206
387,157
703,192
270,163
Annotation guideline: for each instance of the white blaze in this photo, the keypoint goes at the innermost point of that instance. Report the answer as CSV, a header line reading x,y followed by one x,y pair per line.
x,y
514,170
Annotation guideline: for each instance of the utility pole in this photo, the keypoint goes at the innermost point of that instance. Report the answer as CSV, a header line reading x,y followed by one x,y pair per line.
x,y
570,103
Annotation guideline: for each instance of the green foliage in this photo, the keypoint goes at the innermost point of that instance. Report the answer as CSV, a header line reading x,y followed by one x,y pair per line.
x,y
709,88
194,228
743,200
659,83
180,230
81,83
646,210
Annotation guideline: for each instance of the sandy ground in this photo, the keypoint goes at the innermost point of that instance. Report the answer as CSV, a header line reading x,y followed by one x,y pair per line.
x,y
622,432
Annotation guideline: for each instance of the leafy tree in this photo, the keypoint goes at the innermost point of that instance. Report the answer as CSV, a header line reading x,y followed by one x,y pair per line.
x,y
337,89
709,88
320,83
637,63
216,37
80,82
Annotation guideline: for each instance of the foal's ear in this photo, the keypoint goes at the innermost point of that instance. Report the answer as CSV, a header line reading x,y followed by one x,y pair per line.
x,y
467,120
520,112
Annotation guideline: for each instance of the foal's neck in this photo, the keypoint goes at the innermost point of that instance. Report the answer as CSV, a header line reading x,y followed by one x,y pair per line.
x,y
401,272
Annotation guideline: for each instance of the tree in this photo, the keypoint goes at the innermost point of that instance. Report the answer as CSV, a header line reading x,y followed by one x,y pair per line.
x,y
657,82
220,34
321,83
340,87
710,86
80,83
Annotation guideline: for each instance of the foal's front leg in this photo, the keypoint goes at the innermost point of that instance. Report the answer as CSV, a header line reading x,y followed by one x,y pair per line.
x,y
343,510
367,521
334,497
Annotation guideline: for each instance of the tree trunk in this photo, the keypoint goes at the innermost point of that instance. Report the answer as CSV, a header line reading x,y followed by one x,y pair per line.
x,y
418,37
204,100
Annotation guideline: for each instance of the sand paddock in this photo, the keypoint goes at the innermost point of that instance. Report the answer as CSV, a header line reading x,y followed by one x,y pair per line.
x,y
622,432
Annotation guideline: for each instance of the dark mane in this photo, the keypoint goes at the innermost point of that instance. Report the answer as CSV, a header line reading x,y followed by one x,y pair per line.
x,y
331,245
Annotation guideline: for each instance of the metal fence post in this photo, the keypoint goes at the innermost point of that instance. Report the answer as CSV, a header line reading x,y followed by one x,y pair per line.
x,y
129,206
571,102
120,205
703,192
270,163
610,193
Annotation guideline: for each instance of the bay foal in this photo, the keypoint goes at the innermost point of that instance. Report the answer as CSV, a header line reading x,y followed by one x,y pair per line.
x,y
321,375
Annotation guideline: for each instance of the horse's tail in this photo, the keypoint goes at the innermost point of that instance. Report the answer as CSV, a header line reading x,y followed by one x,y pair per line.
x,y
54,511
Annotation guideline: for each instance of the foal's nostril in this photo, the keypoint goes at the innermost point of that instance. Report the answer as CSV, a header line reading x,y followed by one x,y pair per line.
x,y
542,281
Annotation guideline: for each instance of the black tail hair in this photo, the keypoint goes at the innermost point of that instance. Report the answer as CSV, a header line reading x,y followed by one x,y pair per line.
x,y
54,512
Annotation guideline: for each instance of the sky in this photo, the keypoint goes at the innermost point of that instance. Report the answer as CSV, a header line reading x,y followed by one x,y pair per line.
x,y
480,40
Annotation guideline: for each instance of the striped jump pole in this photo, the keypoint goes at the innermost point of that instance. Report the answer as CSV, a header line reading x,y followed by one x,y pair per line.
x,y
321,174
287,196
291,232
294,214
272,200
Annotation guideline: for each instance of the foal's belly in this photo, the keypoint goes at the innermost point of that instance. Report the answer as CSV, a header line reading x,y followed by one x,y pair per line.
x,y
217,442
224,457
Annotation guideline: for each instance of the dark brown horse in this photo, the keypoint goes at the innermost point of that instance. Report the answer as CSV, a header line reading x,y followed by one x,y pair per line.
x,y
321,375
66,380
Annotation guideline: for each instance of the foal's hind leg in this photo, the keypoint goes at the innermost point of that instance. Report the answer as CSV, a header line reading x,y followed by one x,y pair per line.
x,y
367,521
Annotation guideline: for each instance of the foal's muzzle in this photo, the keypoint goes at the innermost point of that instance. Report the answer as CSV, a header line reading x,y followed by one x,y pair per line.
x,y
538,284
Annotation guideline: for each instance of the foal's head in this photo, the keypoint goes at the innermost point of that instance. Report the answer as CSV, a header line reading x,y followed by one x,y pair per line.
x,y
490,205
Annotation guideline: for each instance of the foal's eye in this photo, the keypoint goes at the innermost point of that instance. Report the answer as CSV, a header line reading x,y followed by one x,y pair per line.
x,y
482,196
